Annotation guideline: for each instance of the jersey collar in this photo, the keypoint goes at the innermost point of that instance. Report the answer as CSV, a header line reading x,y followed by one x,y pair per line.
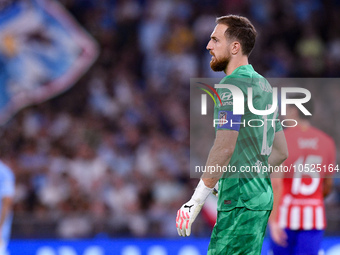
x,y
241,69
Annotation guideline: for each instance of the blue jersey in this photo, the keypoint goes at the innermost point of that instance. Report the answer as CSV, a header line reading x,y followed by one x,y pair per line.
x,y
7,181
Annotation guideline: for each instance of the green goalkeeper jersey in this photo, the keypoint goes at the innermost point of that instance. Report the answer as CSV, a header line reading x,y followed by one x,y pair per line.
x,y
245,183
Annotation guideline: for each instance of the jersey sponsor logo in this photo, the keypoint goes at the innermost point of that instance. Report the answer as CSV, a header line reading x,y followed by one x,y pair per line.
x,y
308,143
227,103
226,98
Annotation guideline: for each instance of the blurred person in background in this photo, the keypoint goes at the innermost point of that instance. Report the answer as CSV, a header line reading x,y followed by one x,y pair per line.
x,y
6,195
298,218
245,200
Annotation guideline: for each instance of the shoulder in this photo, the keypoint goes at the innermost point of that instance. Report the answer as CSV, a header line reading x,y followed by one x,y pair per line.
x,y
323,136
239,74
5,171
240,81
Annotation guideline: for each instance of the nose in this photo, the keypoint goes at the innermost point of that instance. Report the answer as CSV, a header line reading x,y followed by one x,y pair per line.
x,y
209,46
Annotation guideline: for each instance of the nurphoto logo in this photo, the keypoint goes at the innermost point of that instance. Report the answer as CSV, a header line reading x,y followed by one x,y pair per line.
x,y
236,98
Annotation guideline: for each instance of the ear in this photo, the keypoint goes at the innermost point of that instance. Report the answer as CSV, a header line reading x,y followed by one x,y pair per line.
x,y
235,47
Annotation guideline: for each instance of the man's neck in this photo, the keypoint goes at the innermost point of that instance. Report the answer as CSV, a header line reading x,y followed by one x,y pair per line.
x,y
235,63
303,123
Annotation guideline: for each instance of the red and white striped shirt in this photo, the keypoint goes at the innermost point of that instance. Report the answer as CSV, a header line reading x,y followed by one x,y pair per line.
x,y
301,205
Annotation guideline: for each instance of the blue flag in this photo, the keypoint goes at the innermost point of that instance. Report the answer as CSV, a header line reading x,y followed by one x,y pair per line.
x,y
43,52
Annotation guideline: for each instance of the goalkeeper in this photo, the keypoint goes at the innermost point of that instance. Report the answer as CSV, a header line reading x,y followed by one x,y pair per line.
x,y
245,201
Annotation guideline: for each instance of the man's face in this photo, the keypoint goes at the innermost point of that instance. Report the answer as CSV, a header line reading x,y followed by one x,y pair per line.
x,y
292,112
218,48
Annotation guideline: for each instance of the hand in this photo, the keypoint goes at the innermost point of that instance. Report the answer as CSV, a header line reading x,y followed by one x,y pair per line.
x,y
278,235
186,215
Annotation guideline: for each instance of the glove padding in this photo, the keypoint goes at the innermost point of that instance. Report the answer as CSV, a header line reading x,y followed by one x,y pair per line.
x,y
186,215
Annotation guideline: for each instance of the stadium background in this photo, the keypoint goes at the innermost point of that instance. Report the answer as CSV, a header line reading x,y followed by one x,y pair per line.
x,y
109,157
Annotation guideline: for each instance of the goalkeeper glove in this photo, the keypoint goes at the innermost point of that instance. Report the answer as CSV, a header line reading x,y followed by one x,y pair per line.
x,y
187,214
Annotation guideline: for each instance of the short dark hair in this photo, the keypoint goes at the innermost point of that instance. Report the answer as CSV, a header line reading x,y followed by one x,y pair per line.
x,y
241,29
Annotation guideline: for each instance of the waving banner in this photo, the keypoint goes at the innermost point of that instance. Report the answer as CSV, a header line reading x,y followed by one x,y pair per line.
x,y
43,52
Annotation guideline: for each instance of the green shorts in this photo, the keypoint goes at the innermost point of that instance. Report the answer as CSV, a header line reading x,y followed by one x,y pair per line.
x,y
238,232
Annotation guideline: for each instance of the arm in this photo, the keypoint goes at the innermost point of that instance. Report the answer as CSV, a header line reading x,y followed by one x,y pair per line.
x,y
6,205
276,232
328,179
278,155
279,151
277,191
219,155
7,192
327,186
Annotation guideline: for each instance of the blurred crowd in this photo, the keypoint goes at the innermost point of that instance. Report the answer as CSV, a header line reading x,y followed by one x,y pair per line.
x,y
110,157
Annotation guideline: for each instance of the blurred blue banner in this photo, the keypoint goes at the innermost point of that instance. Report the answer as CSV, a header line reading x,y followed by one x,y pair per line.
x,y
43,51
181,246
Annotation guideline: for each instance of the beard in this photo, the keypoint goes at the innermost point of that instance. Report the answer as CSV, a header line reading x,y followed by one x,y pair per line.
x,y
219,65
